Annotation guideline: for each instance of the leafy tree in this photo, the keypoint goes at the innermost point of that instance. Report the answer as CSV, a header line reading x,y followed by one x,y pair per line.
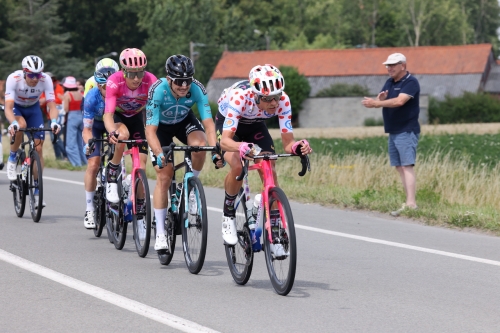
x,y
100,29
297,88
171,26
35,30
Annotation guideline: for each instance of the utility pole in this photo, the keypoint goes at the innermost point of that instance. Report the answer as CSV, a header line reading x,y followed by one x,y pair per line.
x,y
194,55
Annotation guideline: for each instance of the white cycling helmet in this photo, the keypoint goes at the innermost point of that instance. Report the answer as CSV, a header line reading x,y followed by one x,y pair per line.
x,y
266,80
107,62
33,64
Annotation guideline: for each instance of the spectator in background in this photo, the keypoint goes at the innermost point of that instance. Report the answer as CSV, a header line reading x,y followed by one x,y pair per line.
x,y
72,105
399,100
81,85
59,150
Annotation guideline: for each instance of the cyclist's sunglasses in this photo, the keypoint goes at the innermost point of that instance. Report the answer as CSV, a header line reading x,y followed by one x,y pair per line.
x,y
102,85
269,99
34,76
182,82
133,75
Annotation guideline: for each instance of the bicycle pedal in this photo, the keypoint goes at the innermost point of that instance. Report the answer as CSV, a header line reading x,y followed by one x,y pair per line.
x,y
163,252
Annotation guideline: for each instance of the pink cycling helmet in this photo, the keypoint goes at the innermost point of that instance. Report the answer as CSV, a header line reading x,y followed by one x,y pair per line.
x,y
133,59
266,80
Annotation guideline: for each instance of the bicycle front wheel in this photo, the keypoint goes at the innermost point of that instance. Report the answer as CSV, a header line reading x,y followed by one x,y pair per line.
x,y
281,253
18,188
195,229
35,187
240,256
165,256
100,211
142,218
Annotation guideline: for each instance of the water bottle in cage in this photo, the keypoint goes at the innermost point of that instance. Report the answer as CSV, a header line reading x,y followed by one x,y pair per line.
x,y
254,223
24,169
126,186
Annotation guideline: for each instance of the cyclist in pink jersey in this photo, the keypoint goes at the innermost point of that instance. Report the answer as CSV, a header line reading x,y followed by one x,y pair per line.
x,y
126,97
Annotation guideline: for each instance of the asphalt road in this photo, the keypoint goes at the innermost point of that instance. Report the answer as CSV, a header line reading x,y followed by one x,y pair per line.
x,y
356,272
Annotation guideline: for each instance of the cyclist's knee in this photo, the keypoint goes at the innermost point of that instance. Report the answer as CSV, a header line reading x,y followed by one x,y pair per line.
x,y
93,165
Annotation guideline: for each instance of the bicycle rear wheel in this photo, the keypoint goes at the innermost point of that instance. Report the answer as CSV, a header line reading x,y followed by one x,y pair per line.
x,y
194,234
240,256
116,221
281,254
142,219
36,201
100,211
18,187
165,257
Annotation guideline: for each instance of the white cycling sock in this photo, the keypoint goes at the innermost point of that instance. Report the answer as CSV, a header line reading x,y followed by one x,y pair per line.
x,y
89,197
196,172
160,215
1,153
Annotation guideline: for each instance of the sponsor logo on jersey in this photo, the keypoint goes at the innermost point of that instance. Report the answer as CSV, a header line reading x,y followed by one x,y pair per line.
x,y
188,101
151,91
228,122
286,112
201,86
288,124
234,109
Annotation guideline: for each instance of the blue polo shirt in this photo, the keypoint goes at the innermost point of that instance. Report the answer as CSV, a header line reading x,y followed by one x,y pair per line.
x,y
404,118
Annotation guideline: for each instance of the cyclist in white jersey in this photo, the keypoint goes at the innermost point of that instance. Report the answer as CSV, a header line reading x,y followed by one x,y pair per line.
x,y
240,123
22,109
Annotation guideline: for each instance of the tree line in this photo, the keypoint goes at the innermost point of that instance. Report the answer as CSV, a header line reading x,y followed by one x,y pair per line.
x,y
70,34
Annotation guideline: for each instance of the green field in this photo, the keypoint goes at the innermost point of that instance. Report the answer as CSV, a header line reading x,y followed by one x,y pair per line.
x,y
478,149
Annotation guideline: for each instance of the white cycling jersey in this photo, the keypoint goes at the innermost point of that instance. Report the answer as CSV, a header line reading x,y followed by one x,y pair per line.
x,y
17,90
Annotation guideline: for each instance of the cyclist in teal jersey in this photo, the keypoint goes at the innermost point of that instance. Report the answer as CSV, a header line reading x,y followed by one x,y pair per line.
x,y
169,114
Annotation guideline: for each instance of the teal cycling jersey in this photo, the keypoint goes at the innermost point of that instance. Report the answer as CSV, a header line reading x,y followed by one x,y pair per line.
x,y
164,108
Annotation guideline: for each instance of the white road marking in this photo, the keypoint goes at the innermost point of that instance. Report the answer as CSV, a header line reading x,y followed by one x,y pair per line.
x,y
107,296
361,238
400,245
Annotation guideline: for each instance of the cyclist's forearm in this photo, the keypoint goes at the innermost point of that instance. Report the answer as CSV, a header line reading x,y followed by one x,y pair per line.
x,y
152,138
109,122
87,134
9,111
54,113
210,131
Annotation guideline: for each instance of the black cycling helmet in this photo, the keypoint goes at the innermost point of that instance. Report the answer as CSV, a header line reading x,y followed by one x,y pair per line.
x,y
102,74
179,67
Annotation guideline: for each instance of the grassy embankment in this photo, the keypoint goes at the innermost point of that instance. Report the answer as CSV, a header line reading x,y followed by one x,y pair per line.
x,y
457,173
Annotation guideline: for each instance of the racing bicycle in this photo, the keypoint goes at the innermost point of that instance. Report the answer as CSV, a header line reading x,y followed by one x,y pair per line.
x,y
187,214
280,246
29,172
141,205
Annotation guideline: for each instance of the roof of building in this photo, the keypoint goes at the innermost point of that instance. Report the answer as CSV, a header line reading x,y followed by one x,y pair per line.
x,y
457,59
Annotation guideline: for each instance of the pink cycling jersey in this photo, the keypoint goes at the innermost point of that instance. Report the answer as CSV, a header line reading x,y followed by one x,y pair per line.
x,y
119,98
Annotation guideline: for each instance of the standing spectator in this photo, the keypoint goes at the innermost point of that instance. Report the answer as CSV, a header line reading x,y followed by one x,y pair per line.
x,y
59,150
399,100
81,85
72,103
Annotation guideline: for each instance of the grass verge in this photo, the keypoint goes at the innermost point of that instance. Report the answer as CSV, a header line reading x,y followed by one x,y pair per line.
x,y
458,177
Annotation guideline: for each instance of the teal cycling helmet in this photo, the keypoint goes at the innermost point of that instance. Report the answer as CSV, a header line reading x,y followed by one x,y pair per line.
x,y
101,75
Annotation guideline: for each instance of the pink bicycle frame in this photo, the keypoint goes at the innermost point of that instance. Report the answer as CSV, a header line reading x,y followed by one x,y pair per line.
x,y
136,164
268,180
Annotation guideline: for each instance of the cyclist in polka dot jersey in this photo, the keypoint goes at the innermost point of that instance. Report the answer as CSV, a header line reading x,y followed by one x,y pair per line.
x,y
240,123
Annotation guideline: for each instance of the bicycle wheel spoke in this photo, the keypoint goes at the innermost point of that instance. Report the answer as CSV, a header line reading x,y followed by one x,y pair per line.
x,y
194,234
240,256
35,186
281,252
142,219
